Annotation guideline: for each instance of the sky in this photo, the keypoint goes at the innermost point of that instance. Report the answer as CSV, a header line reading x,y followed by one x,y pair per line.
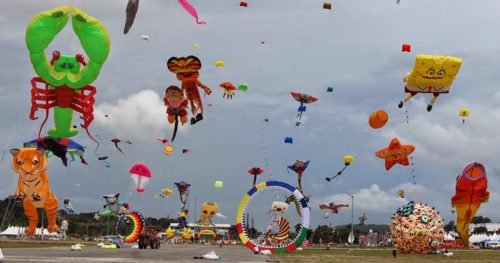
x,y
354,48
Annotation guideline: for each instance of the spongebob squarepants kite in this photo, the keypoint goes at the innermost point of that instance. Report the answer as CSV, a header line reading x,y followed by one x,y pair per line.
x,y
431,74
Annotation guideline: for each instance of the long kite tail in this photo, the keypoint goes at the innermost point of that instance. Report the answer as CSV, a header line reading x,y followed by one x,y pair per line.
x,y
176,125
299,179
191,10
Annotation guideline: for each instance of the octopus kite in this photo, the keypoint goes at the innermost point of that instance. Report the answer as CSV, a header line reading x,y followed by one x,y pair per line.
x,y
431,74
187,71
471,191
63,83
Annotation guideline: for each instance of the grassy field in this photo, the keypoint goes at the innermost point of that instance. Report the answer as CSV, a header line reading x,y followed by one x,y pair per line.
x,y
385,255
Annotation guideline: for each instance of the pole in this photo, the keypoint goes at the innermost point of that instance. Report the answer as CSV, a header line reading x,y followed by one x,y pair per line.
x,y
195,208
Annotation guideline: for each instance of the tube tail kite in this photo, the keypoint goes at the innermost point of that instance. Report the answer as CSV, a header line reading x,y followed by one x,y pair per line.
x,y
131,11
471,191
191,10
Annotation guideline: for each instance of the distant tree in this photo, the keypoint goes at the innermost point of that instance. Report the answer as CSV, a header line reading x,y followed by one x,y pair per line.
x,y
480,219
450,226
480,230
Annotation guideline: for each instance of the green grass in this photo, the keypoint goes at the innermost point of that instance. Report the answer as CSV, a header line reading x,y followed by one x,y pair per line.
x,y
385,255
33,244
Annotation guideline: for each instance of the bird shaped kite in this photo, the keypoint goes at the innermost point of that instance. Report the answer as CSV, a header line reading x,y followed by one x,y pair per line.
x,y
395,153
299,167
303,99
332,207
471,191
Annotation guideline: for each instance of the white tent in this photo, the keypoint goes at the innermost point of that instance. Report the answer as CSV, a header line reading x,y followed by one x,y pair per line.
x,y
19,231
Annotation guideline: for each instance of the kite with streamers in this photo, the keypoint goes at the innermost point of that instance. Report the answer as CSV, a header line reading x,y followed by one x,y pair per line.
x,y
191,10
303,99
116,141
471,191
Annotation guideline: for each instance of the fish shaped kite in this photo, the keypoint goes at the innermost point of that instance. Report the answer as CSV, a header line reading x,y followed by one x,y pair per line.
x,y
471,191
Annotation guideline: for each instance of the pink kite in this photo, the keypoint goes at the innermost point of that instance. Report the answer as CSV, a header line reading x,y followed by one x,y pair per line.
x,y
140,175
191,10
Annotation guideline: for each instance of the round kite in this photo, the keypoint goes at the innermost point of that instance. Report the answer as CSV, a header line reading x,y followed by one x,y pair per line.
x,y
285,245
417,228
378,119
137,222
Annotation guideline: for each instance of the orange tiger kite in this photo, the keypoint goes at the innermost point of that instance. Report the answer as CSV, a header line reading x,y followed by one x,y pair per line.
x,y
33,187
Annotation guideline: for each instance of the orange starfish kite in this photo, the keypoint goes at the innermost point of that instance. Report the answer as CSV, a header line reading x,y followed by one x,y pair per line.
x,y
395,153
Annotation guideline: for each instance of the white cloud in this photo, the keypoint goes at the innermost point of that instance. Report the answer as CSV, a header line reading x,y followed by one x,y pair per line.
x,y
140,115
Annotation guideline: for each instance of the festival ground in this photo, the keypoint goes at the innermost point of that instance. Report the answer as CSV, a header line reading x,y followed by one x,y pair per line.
x,y
185,253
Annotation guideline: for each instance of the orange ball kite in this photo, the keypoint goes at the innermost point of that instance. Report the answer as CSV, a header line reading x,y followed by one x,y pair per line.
x,y
378,119
395,153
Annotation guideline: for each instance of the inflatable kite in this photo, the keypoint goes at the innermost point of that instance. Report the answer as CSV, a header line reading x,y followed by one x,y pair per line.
x,y
362,219
395,153
58,147
137,223
303,99
229,89
168,150
112,203
464,113
332,207
33,187
280,241
131,11
176,107
68,206
61,81
417,228
191,10
431,74
299,167
208,211
170,233
187,71
183,189
401,193
140,175
471,191
378,119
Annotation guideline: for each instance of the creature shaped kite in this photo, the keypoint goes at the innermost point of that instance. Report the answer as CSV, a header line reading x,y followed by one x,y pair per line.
x,y
208,210
332,207
417,228
68,206
140,175
187,70
255,171
176,107
183,189
131,11
395,153
431,74
64,85
303,99
229,89
33,187
299,167
464,113
471,191
112,203
191,10
116,141
401,193
58,147
362,219
277,214
165,192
